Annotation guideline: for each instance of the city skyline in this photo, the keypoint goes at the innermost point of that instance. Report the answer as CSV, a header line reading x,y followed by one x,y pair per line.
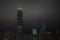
x,y
33,13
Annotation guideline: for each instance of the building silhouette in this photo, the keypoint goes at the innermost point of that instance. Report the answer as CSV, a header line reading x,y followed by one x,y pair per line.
x,y
42,33
19,24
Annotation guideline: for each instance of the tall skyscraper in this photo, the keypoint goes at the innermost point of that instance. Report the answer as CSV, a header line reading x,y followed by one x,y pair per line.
x,y
19,24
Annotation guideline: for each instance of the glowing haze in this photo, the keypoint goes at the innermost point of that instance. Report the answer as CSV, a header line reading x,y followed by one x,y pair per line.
x,y
33,13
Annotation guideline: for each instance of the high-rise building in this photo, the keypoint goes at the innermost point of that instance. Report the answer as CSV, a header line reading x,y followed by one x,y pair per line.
x,y
19,24
34,34
42,33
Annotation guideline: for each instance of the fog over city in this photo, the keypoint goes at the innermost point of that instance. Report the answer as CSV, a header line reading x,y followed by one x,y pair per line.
x,y
34,13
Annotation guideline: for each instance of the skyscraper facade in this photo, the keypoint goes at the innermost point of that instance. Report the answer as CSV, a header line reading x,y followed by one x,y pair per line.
x,y
19,24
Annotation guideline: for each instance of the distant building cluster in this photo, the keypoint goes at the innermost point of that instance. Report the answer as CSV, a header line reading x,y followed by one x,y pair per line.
x,y
41,35
35,35
8,35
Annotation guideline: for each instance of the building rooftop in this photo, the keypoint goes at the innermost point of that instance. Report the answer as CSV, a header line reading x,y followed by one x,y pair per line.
x,y
19,8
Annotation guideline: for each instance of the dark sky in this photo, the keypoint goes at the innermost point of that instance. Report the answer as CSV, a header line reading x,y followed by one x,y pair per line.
x,y
34,13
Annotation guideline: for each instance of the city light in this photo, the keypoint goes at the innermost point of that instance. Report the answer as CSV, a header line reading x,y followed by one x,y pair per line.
x,y
34,31
19,8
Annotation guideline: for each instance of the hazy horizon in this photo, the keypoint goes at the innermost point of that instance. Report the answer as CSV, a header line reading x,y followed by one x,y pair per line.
x,y
34,13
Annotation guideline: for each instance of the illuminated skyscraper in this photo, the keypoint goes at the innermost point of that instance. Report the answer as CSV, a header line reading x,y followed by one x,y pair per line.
x,y
19,24
34,34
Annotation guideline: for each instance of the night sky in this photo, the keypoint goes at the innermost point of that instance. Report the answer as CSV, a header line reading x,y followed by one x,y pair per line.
x,y
34,13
